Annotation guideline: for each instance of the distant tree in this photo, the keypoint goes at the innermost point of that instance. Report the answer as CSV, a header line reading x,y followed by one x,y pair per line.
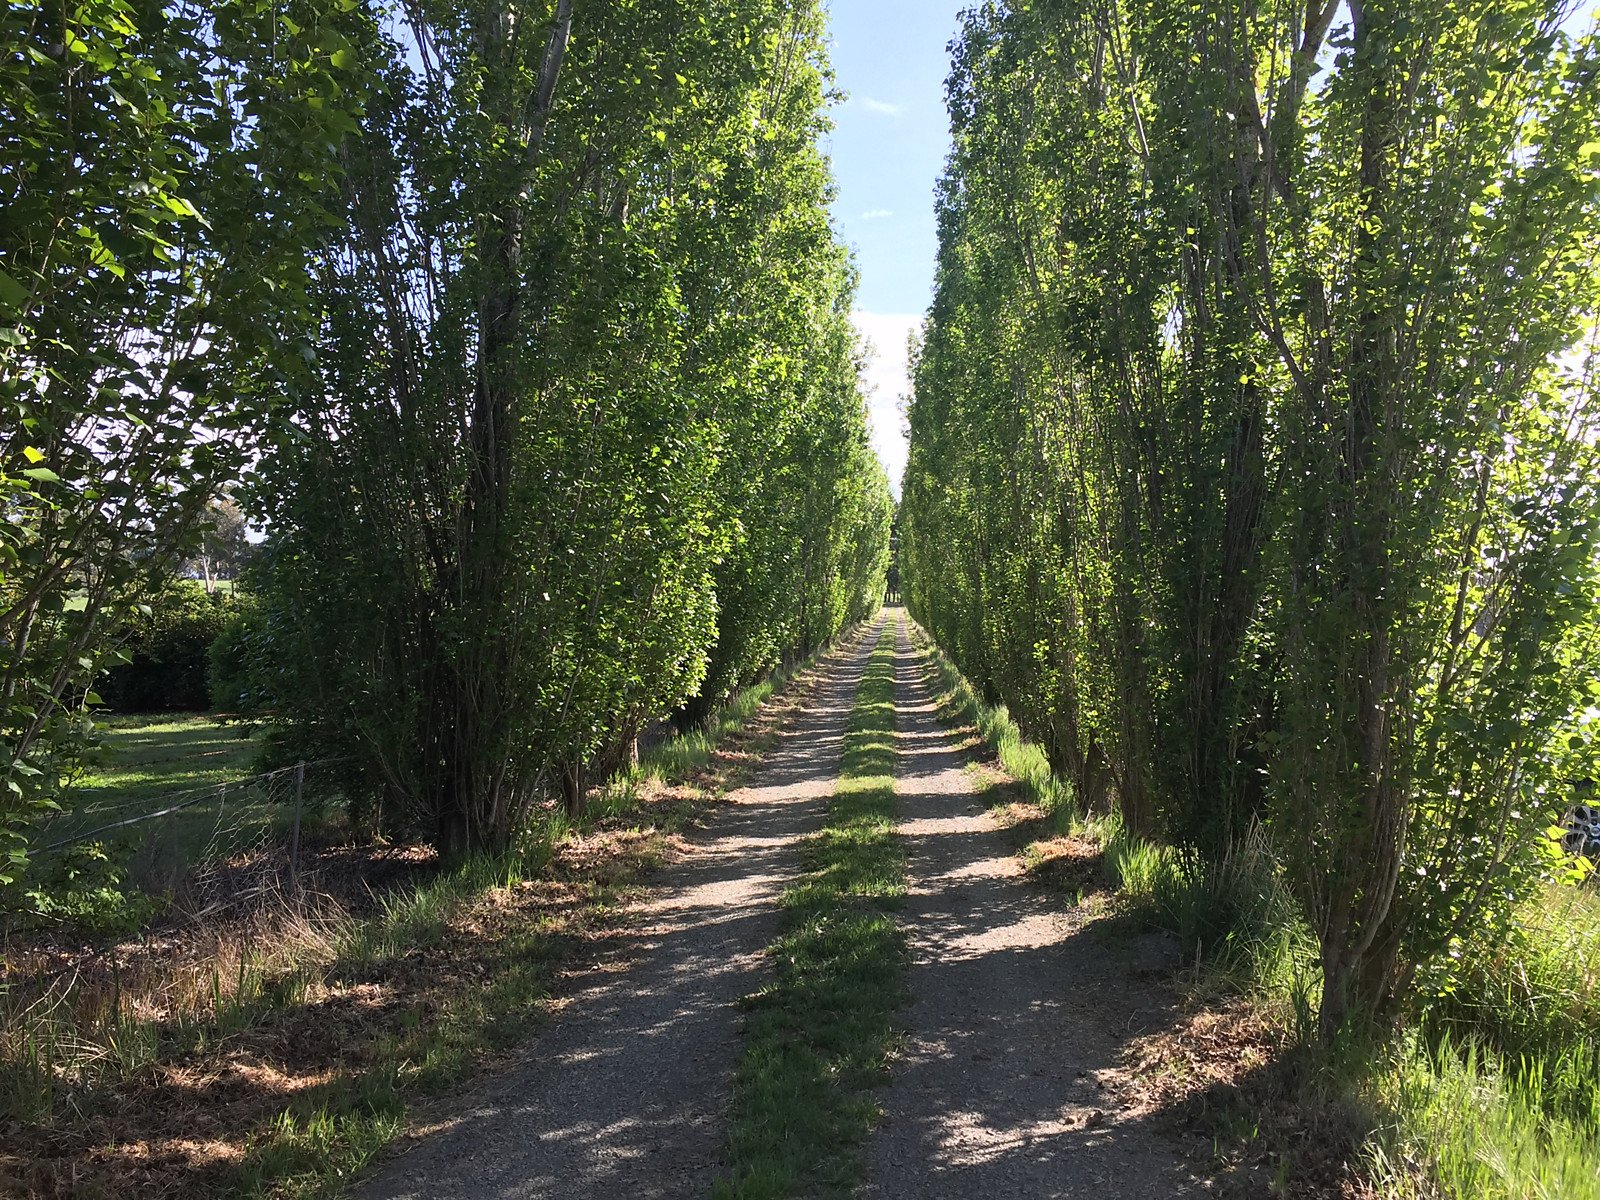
x,y
225,548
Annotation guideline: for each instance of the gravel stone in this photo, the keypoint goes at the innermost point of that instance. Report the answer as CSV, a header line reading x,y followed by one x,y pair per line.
x,y
1012,1027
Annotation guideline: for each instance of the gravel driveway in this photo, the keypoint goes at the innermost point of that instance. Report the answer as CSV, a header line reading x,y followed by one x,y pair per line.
x,y
1006,1084
1005,1087
625,1096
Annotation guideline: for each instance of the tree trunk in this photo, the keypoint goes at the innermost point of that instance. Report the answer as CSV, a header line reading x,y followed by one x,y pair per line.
x,y
474,811
1360,945
575,790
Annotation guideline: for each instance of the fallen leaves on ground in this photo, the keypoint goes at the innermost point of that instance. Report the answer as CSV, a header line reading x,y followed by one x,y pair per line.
x,y
1277,1127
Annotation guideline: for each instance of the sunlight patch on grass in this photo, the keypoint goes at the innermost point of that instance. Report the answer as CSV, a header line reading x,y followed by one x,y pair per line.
x,y
149,758
1467,1126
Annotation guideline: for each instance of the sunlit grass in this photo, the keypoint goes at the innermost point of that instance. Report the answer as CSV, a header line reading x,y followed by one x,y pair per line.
x,y
145,763
1469,1127
150,758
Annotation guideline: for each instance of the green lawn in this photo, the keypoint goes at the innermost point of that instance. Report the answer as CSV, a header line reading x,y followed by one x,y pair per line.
x,y
146,758
147,763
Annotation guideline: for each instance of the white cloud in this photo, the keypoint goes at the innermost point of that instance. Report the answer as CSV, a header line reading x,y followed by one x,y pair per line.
x,y
887,383
877,214
881,107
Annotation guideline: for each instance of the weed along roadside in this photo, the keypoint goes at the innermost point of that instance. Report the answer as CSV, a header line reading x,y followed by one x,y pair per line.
x,y
818,1036
284,1071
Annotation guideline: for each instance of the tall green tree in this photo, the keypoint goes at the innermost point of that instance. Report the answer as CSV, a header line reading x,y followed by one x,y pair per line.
x,y
163,184
588,309
1253,456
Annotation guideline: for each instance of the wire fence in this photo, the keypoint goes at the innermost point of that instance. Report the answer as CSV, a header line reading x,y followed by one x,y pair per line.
x,y
207,850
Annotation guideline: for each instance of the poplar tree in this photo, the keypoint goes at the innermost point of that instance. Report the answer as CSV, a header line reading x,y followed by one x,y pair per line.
x,y
1254,438
587,317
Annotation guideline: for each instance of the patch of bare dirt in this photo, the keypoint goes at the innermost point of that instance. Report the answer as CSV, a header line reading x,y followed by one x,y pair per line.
x,y
1224,1072
1066,863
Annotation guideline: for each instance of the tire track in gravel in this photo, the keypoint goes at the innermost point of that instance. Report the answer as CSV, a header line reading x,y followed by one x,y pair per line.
x,y
1006,1084
625,1096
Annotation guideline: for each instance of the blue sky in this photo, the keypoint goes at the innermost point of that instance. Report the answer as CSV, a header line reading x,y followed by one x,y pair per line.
x,y
888,150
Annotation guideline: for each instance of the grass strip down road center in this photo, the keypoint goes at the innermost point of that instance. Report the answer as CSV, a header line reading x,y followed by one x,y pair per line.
x,y
818,1036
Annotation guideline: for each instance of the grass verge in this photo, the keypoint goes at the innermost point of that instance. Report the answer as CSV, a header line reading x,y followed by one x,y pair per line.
x,y
817,1037
278,1059
1025,764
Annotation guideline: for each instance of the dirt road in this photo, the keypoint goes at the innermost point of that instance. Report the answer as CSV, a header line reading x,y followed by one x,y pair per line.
x,y
625,1097
1008,1079
1006,1085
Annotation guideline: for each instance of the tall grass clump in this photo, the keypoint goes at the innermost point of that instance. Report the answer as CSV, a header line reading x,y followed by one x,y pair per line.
x,y
687,752
1470,1125
1534,994
1497,1092
1232,914
80,1031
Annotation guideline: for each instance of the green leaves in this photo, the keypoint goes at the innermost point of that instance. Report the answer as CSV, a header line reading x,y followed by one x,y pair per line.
x,y
12,294
169,194
522,548
1249,460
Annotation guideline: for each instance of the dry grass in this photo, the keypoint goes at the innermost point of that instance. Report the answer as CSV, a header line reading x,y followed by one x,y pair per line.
x,y
1278,1125
225,1046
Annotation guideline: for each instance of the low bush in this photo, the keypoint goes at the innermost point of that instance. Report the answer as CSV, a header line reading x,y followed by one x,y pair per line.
x,y
167,652
86,891
231,677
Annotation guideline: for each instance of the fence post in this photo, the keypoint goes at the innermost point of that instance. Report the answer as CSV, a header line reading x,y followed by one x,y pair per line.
x,y
294,840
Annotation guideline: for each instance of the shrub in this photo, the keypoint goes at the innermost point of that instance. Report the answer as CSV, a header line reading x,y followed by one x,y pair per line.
x,y
86,890
231,676
167,652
